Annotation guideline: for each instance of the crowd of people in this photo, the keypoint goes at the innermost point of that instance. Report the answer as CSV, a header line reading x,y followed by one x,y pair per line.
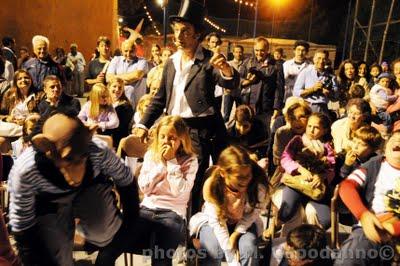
x,y
227,138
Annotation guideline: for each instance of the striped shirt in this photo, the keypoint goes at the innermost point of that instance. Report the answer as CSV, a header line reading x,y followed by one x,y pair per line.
x,y
26,182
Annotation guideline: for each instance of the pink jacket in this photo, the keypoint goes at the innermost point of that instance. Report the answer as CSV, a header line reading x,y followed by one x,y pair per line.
x,y
167,186
295,145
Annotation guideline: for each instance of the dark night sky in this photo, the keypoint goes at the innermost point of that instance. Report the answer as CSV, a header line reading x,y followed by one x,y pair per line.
x,y
329,15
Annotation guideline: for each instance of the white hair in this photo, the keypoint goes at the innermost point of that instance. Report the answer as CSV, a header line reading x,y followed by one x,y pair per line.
x,y
40,38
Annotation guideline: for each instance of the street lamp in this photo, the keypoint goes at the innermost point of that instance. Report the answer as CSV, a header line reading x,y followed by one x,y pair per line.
x,y
164,4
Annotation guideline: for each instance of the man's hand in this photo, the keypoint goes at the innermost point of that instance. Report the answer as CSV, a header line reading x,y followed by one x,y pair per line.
x,y
140,133
219,62
372,228
318,86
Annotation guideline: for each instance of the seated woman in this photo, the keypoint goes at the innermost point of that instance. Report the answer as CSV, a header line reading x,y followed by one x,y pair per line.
x,y
99,110
166,180
17,103
358,115
122,107
20,100
310,158
234,194
248,131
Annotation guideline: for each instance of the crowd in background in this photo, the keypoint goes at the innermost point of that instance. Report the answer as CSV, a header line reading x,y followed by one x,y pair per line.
x,y
283,130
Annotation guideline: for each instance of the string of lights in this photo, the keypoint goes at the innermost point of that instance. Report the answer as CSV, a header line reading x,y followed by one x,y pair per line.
x,y
246,3
214,25
151,20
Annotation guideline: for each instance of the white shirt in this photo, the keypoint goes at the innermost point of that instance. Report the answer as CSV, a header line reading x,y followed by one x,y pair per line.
x,y
291,70
8,71
178,104
78,60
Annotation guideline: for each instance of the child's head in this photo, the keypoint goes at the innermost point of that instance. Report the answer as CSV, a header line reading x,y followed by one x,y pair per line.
x,y
29,125
244,117
99,95
366,141
356,91
358,112
235,167
116,88
384,79
144,101
99,99
362,69
375,70
303,242
318,127
172,131
296,115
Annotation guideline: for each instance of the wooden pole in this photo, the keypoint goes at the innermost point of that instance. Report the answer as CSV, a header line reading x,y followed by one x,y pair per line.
x,y
255,20
369,30
386,31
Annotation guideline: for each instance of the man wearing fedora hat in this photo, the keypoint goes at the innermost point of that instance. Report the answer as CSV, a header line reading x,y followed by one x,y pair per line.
x,y
187,89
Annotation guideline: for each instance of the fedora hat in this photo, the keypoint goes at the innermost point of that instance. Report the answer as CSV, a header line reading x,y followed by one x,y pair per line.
x,y
191,12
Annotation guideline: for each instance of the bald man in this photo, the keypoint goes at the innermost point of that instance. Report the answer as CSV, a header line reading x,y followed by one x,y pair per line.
x,y
66,176
131,69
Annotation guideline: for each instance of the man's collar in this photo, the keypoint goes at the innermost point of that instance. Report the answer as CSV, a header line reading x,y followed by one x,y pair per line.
x,y
131,61
9,49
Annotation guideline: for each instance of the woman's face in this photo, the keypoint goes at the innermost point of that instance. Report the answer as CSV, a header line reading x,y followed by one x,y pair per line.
x,y
168,138
23,81
103,49
355,116
362,70
238,180
116,90
349,71
299,123
155,52
314,130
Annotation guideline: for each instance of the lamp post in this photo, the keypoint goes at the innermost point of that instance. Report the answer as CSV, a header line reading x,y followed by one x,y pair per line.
x,y
238,18
164,4
255,20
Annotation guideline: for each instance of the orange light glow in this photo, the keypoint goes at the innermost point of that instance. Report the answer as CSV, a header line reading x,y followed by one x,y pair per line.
x,y
279,3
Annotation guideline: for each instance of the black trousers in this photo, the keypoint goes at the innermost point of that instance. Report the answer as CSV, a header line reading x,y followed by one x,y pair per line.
x,y
209,138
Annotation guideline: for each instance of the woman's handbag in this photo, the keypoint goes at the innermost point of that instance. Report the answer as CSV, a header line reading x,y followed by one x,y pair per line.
x,y
303,186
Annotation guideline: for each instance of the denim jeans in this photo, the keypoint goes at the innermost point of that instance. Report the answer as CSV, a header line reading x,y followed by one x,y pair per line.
x,y
228,103
291,199
156,233
212,254
359,250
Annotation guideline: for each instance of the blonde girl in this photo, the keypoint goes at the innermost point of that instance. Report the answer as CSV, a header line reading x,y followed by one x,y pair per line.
x,y
122,107
234,195
99,110
166,180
